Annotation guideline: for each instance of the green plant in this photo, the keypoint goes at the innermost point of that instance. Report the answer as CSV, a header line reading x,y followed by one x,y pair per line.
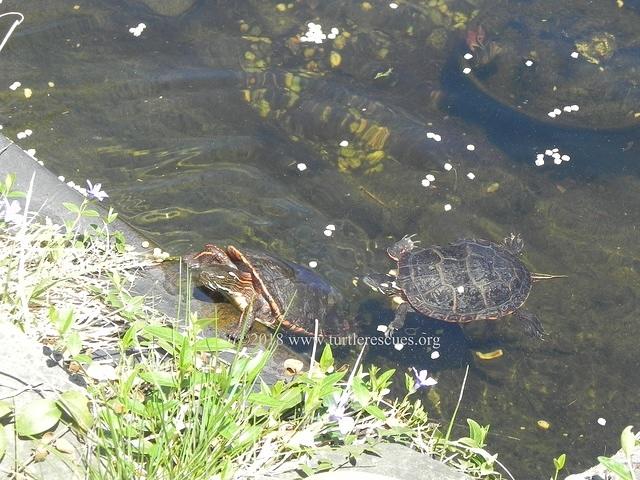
x,y
559,463
625,470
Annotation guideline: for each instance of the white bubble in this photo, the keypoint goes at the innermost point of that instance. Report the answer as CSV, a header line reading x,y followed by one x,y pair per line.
x,y
301,166
313,264
425,182
331,226
552,114
460,289
328,233
539,162
435,354
575,54
398,346
14,86
471,147
471,175
447,207
393,5
335,31
466,70
557,111
566,158
574,108
468,56
528,63
566,108
430,177
344,143
447,166
382,328
602,421
557,160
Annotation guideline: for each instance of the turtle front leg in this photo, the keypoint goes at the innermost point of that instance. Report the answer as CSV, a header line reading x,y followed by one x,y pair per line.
x,y
398,319
531,323
247,318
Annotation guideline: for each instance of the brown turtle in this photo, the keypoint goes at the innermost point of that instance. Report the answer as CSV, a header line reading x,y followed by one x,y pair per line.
x,y
273,291
461,282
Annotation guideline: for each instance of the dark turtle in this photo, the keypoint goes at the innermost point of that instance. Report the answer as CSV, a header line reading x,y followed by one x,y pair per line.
x,y
270,290
461,282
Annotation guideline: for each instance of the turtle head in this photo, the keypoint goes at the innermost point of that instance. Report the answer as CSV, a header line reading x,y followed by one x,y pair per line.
x,y
209,256
233,284
401,247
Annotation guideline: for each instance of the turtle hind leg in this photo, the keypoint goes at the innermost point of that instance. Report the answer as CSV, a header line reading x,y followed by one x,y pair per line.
x,y
399,318
531,323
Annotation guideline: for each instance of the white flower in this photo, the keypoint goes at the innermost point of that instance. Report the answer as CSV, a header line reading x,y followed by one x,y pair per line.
x,y
11,212
95,191
423,379
336,412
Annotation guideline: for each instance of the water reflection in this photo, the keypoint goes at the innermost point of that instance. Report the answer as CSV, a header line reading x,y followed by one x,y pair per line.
x,y
197,129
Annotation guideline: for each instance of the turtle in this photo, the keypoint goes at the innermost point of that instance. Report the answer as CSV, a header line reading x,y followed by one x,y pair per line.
x,y
462,282
273,291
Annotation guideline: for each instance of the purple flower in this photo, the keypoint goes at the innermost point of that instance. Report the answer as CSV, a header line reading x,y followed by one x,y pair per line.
x,y
423,379
11,212
94,191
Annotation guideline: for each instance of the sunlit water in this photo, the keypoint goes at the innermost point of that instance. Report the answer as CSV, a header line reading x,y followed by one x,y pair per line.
x,y
217,124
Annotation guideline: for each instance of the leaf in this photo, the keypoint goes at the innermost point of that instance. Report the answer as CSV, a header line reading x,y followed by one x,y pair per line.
x,y
212,344
3,441
613,466
385,377
289,399
76,405
628,440
163,379
73,343
360,391
111,216
164,333
37,417
72,207
375,411
326,360
5,409
477,432
560,461
90,213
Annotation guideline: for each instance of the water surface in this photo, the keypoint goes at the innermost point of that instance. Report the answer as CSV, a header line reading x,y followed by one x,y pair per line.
x,y
218,124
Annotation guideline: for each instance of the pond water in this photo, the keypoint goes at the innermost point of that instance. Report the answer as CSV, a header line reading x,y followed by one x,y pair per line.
x,y
223,121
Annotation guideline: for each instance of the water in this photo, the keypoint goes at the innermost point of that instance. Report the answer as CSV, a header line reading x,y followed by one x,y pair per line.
x,y
198,127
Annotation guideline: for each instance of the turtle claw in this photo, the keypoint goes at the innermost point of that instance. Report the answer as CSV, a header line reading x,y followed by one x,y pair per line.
x,y
514,243
404,245
388,333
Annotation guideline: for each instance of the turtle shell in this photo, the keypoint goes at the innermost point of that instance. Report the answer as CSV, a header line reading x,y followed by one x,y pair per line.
x,y
465,281
297,295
